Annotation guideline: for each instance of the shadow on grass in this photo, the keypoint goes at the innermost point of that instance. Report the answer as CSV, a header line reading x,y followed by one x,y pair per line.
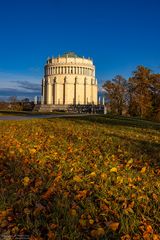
x,y
118,121
150,150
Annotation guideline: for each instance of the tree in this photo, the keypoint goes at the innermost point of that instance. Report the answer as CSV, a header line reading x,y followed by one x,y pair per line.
x,y
117,93
155,93
13,99
140,92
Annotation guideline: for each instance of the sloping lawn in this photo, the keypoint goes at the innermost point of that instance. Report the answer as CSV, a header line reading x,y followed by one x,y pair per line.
x,y
80,178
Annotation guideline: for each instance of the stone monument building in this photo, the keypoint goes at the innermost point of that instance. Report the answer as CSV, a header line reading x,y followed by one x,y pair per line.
x,y
69,80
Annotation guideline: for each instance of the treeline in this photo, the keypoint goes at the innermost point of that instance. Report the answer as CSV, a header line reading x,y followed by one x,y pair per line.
x,y
13,104
138,96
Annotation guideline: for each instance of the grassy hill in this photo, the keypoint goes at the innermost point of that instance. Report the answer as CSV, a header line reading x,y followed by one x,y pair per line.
x,y
92,177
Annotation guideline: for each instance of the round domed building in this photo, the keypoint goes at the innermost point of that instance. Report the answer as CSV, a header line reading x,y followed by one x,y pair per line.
x,y
68,80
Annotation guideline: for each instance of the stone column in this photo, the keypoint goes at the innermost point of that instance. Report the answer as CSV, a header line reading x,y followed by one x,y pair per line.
x,y
75,91
43,91
92,91
49,93
55,92
85,99
65,90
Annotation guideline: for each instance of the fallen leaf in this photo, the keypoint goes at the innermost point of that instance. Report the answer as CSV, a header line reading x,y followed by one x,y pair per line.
x,y
77,179
82,222
81,194
103,176
73,212
114,226
51,235
91,221
149,229
99,232
32,151
26,181
143,170
114,169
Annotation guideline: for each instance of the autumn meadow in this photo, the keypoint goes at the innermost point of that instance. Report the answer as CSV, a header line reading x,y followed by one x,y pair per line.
x,y
94,177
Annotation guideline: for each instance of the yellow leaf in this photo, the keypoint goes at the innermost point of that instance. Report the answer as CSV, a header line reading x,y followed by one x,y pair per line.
x,y
143,170
92,174
98,232
130,161
26,181
20,150
91,221
103,176
128,210
73,212
120,179
11,152
114,226
77,179
32,151
114,169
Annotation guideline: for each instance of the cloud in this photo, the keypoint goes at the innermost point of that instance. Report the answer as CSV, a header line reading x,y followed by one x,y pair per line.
x,y
28,85
8,79
5,93
20,85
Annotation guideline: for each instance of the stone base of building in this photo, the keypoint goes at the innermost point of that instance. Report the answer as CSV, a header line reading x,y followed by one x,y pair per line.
x,y
50,108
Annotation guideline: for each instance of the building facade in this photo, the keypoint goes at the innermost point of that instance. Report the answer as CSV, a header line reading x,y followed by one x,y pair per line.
x,y
68,80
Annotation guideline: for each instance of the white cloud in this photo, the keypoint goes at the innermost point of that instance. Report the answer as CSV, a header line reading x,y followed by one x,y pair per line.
x,y
16,80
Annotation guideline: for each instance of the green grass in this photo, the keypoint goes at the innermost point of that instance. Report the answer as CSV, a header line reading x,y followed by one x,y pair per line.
x,y
93,177
25,113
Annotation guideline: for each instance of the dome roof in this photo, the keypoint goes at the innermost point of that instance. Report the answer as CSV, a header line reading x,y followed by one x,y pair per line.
x,y
70,54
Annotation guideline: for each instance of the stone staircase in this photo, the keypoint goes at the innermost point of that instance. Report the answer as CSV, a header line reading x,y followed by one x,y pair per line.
x,y
50,108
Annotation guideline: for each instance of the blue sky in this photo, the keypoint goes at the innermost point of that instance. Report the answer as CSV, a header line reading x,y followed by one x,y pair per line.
x,y
117,34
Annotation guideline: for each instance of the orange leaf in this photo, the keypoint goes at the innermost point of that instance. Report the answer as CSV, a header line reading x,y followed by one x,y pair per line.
x,y
149,229
51,235
81,194
114,226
